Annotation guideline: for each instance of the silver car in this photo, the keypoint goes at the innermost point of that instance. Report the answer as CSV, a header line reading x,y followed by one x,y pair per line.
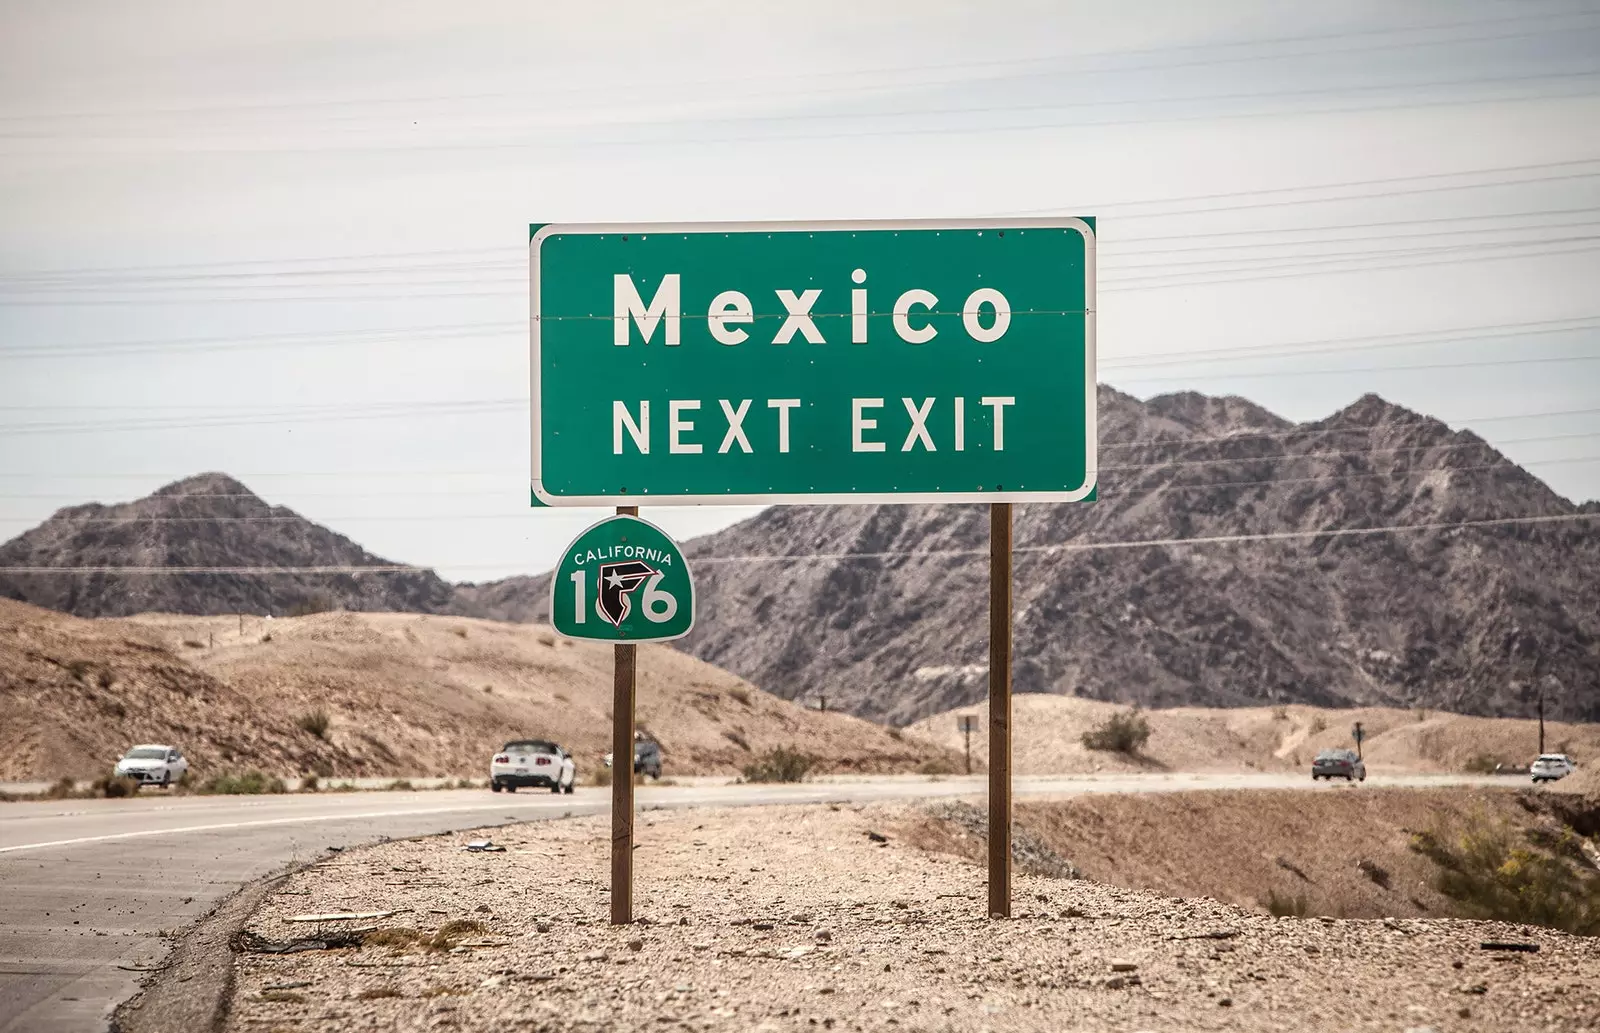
x,y
1331,764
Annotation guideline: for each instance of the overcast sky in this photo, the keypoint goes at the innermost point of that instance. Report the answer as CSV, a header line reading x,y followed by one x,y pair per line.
x,y
288,241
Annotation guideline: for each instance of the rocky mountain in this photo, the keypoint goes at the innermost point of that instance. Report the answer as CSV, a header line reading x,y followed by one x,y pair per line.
x,y
210,520
884,609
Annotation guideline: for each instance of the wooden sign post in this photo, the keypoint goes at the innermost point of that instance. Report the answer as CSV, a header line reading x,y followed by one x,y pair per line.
x,y
624,684
1000,709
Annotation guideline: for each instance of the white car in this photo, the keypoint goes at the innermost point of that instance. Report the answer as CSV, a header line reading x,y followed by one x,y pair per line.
x,y
153,764
1551,766
532,762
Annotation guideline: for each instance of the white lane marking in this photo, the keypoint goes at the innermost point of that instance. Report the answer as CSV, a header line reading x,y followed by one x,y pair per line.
x,y
813,793
553,805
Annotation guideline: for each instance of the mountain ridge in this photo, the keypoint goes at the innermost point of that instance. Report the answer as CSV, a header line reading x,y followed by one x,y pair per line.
x,y
1111,603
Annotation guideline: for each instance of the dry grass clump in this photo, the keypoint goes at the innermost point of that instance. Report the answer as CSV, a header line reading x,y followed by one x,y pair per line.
x,y
251,783
316,722
1124,733
780,764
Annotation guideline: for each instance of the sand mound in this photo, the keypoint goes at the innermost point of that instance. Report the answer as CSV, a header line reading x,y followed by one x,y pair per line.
x,y
405,694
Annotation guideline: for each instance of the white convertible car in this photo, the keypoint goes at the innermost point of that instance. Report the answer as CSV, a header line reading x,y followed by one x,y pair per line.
x,y
532,762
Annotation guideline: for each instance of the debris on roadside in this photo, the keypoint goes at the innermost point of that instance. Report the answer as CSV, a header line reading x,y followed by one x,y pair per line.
x,y
342,916
1496,945
484,846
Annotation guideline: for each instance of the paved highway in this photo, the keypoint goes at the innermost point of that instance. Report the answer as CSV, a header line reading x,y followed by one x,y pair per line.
x,y
92,886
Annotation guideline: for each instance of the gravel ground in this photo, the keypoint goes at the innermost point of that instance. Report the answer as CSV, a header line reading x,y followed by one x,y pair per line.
x,y
797,919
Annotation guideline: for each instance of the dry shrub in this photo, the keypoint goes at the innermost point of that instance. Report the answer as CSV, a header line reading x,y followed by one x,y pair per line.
x,y
400,785
1492,872
1318,724
1481,764
114,787
251,783
315,721
601,777
1286,906
190,643
740,693
1125,733
780,764
282,997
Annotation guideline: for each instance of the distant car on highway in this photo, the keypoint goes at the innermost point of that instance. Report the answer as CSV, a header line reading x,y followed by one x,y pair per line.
x,y
153,764
646,758
532,762
1551,766
1331,764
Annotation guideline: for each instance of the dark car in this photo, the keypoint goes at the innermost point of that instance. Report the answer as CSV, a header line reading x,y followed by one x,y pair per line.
x,y
1338,764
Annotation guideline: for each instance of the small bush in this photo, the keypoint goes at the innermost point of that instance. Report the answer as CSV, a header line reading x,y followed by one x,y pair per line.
x,y
190,643
1490,875
251,783
79,668
396,936
114,787
1481,764
400,784
310,784
601,777
740,693
779,765
105,678
897,734
1318,725
316,722
1280,713
64,789
1286,906
936,766
736,737
1125,733
459,632
266,638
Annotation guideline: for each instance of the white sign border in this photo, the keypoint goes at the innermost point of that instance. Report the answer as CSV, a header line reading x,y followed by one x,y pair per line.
x,y
1091,442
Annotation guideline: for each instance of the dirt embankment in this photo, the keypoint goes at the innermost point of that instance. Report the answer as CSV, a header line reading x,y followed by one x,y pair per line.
x,y
798,919
404,695
1336,851
1047,733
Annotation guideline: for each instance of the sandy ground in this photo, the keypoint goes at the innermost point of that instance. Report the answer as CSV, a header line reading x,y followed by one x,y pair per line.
x,y
800,919
1341,850
1047,731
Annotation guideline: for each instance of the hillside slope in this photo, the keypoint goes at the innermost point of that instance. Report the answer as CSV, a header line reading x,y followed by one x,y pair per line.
x,y
1471,620
210,520
406,695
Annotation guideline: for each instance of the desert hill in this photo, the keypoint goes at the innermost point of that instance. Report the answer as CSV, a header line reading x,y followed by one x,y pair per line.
x,y
210,520
1046,738
405,694
883,609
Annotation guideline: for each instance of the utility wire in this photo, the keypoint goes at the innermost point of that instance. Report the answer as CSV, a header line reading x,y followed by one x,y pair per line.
x,y
846,557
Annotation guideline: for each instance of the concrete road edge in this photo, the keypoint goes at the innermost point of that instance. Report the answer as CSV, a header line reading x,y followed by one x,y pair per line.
x,y
193,988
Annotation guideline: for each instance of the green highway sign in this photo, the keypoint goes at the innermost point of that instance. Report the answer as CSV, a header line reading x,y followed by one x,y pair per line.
x,y
831,362
622,580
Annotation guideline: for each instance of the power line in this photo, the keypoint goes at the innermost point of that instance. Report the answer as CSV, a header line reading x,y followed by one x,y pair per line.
x,y
1053,60
1154,467
845,557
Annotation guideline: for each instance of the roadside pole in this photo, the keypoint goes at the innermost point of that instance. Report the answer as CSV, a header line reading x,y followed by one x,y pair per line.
x,y
624,680
1000,709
